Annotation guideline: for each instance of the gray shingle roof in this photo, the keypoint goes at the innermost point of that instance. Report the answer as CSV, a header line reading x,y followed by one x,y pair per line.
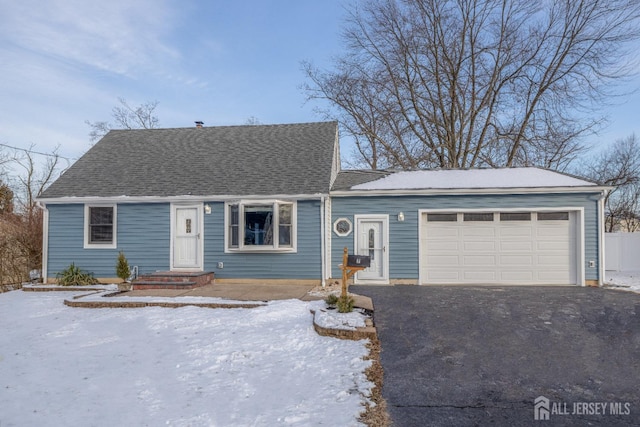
x,y
348,178
226,160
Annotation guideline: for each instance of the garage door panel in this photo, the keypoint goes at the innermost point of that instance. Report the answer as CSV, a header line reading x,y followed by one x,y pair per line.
x,y
479,276
499,252
550,260
517,276
443,276
559,277
443,260
445,246
553,245
479,246
513,231
510,261
557,232
478,232
516,246
481,260
442,232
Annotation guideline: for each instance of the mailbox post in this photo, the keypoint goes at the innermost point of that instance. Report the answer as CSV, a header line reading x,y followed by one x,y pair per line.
x,y
351,264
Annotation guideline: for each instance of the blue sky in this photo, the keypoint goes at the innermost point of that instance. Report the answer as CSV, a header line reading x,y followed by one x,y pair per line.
x,y
66,61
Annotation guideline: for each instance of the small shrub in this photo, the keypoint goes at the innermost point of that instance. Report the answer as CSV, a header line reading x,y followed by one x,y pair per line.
x,y
73,275
122,267
331,300
345,304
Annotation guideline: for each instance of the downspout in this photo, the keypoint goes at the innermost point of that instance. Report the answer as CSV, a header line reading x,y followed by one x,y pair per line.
x,y
45,240
601,261
322,240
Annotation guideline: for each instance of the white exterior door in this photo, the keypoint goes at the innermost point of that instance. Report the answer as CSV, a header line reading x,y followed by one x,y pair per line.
x,y
186,238
523,248
371,239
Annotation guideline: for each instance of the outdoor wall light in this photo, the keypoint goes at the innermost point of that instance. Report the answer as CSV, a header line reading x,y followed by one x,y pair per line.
x,y
401,216
207,209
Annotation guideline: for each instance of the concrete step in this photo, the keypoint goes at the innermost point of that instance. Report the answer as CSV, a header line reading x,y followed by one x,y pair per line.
x,y
173,280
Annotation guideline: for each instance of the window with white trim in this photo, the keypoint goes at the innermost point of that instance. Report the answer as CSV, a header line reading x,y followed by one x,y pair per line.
x,y
261,226
100,226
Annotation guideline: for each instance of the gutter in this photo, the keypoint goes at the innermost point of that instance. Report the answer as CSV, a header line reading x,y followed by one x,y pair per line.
x,y
323,236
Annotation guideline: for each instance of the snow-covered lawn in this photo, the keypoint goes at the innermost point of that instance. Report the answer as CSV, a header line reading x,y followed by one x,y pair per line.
x,y
186,366
627,280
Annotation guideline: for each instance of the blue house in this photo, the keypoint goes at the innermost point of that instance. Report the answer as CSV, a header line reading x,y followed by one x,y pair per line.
x,y
270,203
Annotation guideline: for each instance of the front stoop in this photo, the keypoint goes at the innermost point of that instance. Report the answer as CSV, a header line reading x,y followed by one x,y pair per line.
x,y
173,280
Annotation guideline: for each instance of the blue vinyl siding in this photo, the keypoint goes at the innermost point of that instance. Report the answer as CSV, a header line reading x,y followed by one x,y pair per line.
x,y
305,263
143,235
403,236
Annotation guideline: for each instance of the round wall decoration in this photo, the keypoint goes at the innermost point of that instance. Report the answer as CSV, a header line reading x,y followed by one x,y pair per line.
x,y
342,227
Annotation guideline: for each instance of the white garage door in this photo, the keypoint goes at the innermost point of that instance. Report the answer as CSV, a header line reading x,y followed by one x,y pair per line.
x,y
498,248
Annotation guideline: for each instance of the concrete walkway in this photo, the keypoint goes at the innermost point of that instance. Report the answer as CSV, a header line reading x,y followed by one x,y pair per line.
x,y
234,291
247,292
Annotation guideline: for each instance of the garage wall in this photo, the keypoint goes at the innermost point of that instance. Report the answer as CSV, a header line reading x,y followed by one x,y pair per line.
x,y
404,239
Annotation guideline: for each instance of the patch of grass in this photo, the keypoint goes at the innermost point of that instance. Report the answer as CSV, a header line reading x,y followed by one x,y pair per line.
x,y
375,415
74,276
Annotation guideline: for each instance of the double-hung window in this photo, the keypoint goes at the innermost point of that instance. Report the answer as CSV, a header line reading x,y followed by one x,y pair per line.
x,y
100,226
261,226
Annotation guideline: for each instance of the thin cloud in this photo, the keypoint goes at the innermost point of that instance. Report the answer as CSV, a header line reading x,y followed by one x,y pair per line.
x,y
119,36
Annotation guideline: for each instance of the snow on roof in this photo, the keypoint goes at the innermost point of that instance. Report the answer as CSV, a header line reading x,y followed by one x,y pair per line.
x,y
528,177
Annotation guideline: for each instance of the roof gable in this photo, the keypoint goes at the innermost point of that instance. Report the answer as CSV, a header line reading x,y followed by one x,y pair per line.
x,y
287,159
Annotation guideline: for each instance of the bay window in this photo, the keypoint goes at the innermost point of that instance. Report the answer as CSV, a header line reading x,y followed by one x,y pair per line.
x,y
260,226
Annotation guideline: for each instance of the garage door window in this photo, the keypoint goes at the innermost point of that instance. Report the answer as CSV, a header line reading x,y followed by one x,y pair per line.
x,y
553,216
515,216
478,216
442,217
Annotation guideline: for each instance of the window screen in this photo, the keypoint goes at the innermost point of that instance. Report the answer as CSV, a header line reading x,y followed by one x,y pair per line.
x,y
515,216
478,216
442,217
553,216
101,225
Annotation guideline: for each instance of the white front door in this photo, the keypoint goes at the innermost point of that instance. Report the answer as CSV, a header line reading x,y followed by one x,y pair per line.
x,y
371,240
186,237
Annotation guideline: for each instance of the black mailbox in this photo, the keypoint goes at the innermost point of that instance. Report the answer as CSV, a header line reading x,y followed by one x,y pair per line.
x,y
358,261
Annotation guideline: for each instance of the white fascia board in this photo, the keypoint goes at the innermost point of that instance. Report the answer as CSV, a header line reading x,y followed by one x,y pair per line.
x,y
178,199
469,191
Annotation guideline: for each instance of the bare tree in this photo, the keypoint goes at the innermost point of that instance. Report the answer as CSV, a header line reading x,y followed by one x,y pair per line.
x,y
619,166
465,83
21,226
252,121
6,199
126,117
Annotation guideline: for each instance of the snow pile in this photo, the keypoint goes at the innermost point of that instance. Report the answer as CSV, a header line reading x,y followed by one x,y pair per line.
x,y
626,280
111,287
528,177
332,319
176,367
102,297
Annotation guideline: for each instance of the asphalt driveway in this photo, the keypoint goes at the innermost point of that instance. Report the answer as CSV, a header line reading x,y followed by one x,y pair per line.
x,y
481,355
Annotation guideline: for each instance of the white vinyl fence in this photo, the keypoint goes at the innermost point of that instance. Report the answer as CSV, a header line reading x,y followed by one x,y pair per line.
x,y
622,251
